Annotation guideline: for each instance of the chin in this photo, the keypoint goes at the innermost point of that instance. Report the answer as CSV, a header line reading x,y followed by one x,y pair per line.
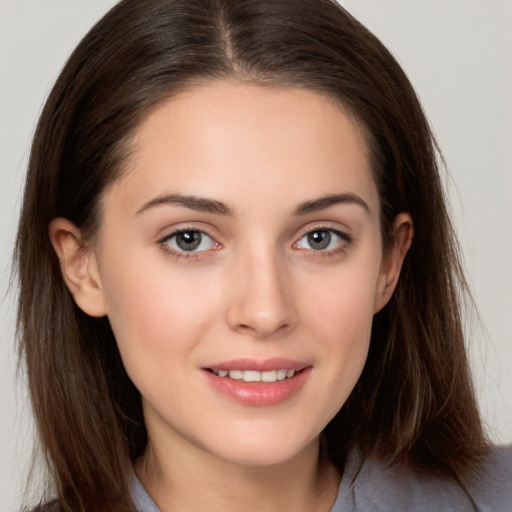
x,y
264,451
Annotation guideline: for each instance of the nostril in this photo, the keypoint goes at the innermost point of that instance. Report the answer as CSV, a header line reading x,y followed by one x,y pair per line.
x,y
261,312
262,331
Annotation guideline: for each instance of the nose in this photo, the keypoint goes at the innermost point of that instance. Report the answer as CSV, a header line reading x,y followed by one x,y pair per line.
x,y
261,303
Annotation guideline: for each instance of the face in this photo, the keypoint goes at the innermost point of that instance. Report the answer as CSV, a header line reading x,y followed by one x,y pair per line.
x,y
240,263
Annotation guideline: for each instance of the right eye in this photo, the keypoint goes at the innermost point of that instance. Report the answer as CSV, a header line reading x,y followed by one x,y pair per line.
x,y
189,240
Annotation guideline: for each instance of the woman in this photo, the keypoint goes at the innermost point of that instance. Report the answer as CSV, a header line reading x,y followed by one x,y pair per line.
x,y
234,220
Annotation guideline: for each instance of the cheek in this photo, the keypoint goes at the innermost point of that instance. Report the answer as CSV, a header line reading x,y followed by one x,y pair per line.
x,y
343,304
346,325
155,314
341,316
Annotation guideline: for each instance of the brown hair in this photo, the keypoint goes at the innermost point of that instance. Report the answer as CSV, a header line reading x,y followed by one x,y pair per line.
x,y
414,400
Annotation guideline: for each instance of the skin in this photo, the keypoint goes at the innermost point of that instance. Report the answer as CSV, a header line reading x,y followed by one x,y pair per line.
x,y
255,288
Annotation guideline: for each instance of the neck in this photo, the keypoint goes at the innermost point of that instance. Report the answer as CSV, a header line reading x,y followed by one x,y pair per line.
x,y
193,482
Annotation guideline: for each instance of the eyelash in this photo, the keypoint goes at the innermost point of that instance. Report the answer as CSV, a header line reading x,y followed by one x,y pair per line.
x,y
183,254
343,241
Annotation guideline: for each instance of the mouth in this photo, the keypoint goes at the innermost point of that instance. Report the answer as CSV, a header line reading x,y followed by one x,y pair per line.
x,y
267,376
255,382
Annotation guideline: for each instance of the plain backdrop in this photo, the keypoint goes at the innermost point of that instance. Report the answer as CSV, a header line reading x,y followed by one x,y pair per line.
x,y
457,54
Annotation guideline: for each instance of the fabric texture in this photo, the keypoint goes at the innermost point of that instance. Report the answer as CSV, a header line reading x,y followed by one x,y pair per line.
x,y
369,486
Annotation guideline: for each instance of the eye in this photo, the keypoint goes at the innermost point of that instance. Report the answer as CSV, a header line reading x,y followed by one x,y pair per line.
x,y
190,240
322,240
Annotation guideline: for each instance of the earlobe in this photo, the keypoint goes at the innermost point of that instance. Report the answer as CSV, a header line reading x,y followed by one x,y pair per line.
x,y
78,266
393,260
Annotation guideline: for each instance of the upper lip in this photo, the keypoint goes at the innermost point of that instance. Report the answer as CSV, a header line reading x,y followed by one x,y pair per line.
x,y
259,365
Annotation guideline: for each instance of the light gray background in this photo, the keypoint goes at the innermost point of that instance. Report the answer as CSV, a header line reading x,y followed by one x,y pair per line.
x,y
457,54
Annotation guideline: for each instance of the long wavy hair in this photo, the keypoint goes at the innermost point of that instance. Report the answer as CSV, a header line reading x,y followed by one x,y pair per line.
x,y
414,400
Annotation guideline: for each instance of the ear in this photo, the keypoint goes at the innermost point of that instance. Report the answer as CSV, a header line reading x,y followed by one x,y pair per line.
x,y
79,267
393,259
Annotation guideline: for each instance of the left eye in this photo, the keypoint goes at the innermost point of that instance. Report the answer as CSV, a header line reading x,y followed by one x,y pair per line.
x,y
190,241
321,240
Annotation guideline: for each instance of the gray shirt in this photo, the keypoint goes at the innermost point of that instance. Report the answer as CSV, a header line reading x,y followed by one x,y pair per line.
x,y
370,486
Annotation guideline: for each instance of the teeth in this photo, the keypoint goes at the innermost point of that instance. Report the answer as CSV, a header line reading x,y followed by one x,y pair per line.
x,y
255,376
281,374
251,376
270,376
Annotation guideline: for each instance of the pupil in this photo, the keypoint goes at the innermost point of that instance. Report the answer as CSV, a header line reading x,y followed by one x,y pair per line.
x,y
319,240
188,240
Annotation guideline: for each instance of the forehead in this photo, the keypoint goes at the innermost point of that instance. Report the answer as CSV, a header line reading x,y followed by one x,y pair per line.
x,y
224,137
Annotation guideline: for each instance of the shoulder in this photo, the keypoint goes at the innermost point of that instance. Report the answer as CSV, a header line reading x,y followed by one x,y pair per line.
x,y
140,497
492,490
370,485
52,506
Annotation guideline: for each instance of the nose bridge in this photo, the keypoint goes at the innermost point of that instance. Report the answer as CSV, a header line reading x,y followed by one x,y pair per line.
x,y
261,304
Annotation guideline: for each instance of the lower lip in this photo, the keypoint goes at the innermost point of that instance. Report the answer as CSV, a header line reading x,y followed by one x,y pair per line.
x,y
259,393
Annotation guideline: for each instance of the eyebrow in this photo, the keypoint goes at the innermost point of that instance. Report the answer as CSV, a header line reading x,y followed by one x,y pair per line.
x,y
203,204
326,202
199,204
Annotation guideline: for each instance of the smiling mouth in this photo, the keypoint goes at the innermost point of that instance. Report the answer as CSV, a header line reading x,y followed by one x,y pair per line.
x,y
259,382
256,376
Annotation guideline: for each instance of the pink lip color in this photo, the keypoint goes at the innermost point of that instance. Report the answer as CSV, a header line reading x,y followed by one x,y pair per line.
x,y
260,365
259,393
